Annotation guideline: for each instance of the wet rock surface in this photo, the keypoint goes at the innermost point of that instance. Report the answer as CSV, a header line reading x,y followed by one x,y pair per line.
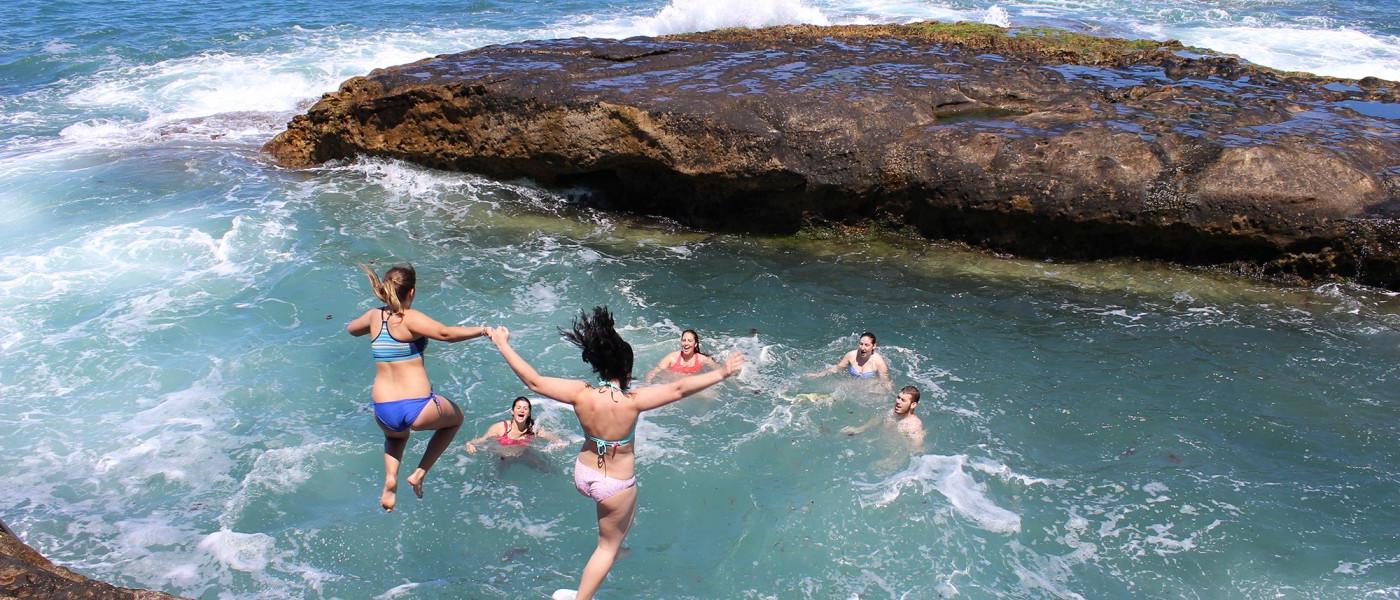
x,y
24,573
1028,143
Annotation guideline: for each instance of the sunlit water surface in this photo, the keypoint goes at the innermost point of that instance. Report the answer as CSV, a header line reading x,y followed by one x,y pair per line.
x,y
184,411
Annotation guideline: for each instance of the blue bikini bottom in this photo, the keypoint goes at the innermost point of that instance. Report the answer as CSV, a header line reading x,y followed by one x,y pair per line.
x,y
398,415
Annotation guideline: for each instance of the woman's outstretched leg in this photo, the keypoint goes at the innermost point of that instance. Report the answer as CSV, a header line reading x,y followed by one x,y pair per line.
x,y
394,444
445,418
614,519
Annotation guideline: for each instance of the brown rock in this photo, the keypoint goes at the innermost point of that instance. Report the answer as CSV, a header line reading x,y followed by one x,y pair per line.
x,y
1041,144
24,573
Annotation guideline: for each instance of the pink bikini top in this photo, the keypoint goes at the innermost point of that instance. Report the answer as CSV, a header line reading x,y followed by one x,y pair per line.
x,y
506,440
687,369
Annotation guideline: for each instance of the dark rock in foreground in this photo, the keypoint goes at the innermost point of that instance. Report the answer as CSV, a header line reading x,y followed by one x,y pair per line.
x,y
1042,143
24,573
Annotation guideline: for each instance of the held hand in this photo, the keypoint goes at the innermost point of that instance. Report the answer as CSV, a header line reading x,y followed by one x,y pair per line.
x,y
471,448
500,336
733,363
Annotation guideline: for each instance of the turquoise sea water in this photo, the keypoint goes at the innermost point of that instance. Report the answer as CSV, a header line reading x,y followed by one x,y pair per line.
x,y
183,410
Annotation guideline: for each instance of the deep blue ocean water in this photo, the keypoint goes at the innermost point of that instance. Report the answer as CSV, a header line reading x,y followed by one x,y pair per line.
x,y
183,411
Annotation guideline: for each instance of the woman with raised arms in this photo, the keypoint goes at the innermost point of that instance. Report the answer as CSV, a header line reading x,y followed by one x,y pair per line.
x,y
402,397
689,360
607,411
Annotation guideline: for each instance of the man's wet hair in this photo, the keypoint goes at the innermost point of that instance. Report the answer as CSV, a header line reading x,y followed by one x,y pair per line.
x,y
912,391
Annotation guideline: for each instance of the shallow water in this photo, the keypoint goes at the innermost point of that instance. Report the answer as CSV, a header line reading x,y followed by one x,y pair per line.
x,y
185,412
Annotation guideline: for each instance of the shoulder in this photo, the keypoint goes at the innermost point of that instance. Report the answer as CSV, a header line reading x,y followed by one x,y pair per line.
x,y
671,356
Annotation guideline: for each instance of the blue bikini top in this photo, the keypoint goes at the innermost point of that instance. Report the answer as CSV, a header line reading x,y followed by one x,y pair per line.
x,y
862,374
387,348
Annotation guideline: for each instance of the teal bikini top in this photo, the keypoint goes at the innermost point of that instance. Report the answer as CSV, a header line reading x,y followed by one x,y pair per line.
x,y
387,348
602,445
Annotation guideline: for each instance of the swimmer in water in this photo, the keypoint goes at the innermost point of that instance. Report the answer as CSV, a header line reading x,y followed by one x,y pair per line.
x,y
902,420
862,363
689,360
402,397
514,434
607,411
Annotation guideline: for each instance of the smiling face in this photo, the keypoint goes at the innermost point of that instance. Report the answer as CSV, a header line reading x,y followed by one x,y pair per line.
x,y
904,403
688,343
520,411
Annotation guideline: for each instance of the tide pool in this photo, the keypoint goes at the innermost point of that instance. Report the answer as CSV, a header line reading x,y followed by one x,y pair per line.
x,y
183,410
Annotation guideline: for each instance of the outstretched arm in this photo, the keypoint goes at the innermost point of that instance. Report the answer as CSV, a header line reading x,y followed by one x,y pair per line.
x,y
495,430
665,360
563,390
709,363
424,325
658,396
848,430
836,368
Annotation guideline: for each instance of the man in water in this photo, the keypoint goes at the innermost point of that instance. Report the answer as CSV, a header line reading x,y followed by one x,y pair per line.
x,y
861,363
902,419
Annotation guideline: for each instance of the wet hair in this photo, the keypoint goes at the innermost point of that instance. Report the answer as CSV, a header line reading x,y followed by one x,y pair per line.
x,y
912,391
530,420
871,336
603,349
394,288
697,340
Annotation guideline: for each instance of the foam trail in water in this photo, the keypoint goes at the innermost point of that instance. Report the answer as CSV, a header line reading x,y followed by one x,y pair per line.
x,y
945,474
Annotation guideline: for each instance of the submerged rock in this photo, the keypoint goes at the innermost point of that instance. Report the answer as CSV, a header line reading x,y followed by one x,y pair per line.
x,y
1035,141
24,573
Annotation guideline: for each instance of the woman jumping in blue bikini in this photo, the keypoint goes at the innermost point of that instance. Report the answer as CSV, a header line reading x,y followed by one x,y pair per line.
x,y
402,397
607,411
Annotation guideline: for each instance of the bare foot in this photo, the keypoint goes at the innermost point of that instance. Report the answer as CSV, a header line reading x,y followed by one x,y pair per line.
x,y
415,481
387,499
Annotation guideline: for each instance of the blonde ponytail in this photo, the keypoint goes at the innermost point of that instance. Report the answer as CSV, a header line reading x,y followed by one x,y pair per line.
x,y
394,288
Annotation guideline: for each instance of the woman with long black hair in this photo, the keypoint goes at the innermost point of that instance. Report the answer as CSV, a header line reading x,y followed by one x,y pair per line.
x,y
607,411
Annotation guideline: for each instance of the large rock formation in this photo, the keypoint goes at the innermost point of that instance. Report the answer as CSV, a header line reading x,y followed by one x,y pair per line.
x,y
1036,142
24,573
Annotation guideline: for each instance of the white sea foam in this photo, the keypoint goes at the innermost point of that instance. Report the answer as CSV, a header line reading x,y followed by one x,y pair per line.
x,y
682,16
945,474
898,11
992,467
247,552
58,47
219,95
172,440
1338,52
996,15
276,471
398,591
